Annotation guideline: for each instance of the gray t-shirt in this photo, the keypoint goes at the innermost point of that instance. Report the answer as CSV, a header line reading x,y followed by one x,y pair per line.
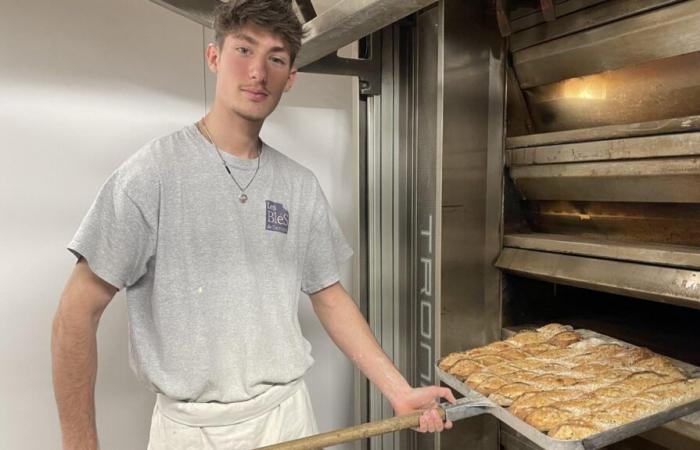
x,y
212,284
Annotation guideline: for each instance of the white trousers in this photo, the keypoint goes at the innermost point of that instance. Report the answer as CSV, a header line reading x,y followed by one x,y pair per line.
x,y
291,419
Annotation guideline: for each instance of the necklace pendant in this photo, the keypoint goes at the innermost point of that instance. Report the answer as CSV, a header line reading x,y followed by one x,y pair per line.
x,y
243,198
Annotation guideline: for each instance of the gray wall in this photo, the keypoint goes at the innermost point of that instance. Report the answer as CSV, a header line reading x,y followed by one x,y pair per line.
x,y
83,84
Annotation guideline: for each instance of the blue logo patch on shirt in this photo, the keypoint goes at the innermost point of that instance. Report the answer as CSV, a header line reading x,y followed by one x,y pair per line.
x,y
277,217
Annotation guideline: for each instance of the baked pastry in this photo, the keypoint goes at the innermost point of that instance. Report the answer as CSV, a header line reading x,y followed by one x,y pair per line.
x,y
464,367
575,429
551,329
564,339
489,360
491,384
503,369
506,394
450,360
550,381
476,378
526,338
548,417
537,348
540,399
580,405
572,387
513,354
662,366
640,381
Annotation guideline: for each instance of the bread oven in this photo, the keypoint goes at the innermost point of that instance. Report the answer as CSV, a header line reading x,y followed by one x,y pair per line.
x,y
602,181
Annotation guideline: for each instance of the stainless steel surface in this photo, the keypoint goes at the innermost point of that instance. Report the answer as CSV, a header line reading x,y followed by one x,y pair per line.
x,y
660,223
342,23
655,90
349,20
656,127
596,15
673,180
470,144
200,11
533,17
661,33
426,218
656,283
657,254
595,441
686,144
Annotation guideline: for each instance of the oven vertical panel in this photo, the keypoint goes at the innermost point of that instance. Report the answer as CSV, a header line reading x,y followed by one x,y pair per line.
x,y
459,92
473,96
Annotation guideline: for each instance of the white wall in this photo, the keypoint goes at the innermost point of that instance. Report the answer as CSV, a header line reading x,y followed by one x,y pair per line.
x,y
83,84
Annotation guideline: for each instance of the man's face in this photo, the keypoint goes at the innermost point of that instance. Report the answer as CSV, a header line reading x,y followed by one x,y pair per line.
x,y
253,68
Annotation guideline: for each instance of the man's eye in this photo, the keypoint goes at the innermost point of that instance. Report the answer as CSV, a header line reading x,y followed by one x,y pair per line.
x,y
243,50
277,60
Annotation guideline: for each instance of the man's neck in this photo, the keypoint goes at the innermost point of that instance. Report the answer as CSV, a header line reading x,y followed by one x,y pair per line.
x,y
233,134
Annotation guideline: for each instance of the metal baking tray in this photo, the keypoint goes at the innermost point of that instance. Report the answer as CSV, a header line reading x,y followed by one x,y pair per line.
x,y
482,405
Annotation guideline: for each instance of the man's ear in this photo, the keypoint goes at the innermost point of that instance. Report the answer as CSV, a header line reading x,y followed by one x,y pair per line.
x,y
212,55
291,79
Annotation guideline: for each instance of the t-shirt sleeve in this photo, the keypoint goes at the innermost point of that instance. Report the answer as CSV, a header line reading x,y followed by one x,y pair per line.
x,y
117,237
327,250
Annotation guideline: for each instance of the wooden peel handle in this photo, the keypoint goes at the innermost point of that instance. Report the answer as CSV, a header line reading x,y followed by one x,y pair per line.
x,y
353,433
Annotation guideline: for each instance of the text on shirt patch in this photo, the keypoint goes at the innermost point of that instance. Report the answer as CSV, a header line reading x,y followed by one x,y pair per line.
x,y
277,218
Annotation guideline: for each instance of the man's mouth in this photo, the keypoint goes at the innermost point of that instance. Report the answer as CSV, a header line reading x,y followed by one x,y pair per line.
x,y
257,95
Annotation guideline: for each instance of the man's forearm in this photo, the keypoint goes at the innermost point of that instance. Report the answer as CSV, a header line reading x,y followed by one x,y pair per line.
x,y
349,330
74,359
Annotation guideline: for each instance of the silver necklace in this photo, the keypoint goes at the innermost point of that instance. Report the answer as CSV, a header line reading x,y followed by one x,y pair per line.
x,y
243,197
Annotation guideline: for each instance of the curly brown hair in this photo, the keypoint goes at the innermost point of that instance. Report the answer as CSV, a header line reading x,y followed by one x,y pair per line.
x,y
276,15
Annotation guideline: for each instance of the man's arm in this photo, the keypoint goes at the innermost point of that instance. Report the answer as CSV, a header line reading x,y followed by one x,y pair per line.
x,y
74,355
349,330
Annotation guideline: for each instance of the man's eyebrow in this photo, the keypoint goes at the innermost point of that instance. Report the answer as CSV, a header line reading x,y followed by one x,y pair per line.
x,y
251,40
245,37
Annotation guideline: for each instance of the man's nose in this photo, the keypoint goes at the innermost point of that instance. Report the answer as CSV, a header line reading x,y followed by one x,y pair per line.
x,y
258,70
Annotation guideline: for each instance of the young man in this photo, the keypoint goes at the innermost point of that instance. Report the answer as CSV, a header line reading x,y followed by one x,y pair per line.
x,y
213,233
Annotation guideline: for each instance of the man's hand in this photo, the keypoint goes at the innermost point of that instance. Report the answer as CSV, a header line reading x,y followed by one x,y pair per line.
x,y
425,399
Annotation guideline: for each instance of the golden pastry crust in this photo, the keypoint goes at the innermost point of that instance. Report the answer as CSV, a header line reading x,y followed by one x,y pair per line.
x,y
662,366
593,368
450,360
610,393
489,360
540,399
670,394
503,369
550,381
631,409
513,354
551,368
476,378
547,417
564,339
536,349
641,381
530,364
465,367
575,429
522,376
551,329
588,344
604,420
581,405
491,384
526,338
559,355
506,394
